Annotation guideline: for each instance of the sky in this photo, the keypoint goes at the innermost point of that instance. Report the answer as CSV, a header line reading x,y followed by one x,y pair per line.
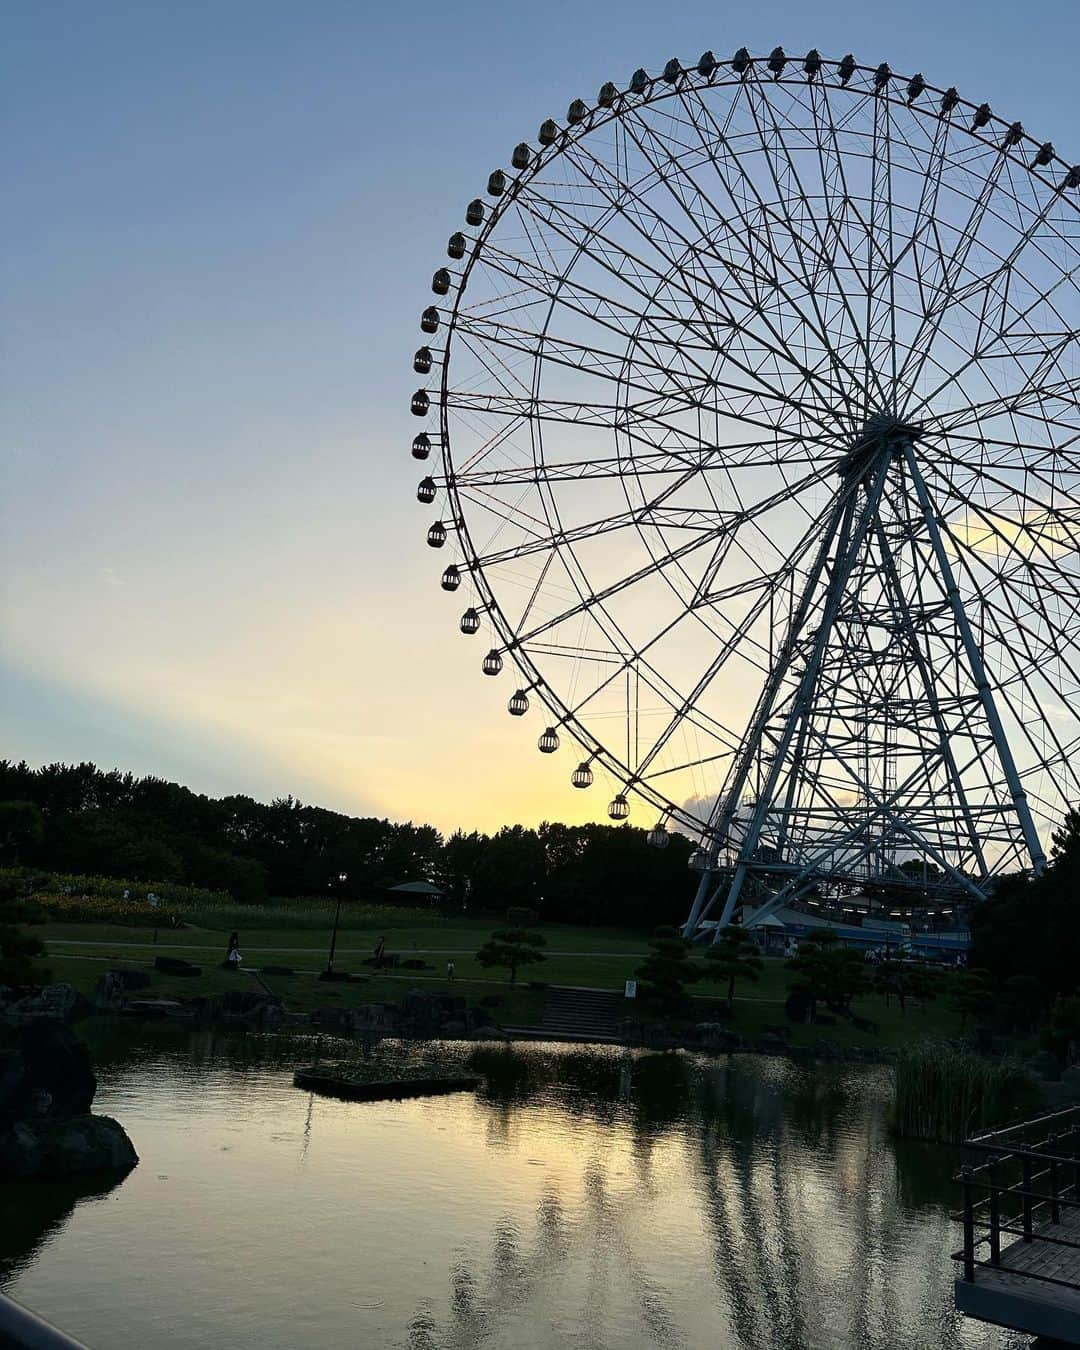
x,y
220,226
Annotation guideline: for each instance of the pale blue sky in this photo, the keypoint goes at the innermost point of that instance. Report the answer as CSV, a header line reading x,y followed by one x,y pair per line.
x,y
220,226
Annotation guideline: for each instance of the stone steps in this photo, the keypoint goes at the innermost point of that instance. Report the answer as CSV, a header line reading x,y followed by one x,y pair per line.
x,y
583,1014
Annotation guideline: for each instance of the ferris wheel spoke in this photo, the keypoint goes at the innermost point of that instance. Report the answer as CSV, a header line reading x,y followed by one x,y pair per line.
x,y
783,218
753,455
776,347
1005,612
713,319
639,424
752,299
882,154
652,512
1028,399
1036,514
840,203
950,272
825,260
729,525
1008,634
759,388
1006,329
738,635
605,365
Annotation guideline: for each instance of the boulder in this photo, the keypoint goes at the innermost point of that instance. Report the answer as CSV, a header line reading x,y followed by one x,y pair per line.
x,y
374,1017
109,992
1044,1064
157,1008
173,965
1070,1081
131,979
76,1146
53,1061
56,1002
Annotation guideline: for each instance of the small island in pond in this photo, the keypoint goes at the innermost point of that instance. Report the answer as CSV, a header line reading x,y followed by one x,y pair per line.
x,y
379,1081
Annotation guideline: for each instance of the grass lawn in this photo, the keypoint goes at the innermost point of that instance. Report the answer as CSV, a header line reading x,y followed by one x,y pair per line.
x,y
593,957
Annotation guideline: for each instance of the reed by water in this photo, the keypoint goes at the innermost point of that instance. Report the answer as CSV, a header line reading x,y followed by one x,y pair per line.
x,y
947,1092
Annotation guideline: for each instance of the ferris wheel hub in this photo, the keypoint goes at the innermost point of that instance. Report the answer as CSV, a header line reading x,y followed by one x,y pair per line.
x,y
883,434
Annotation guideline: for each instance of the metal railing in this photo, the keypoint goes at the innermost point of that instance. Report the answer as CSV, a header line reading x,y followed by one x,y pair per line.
x,y
20,1329
1029,1184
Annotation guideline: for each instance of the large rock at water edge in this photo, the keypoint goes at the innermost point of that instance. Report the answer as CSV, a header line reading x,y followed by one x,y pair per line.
x,y
77,1146
54,1003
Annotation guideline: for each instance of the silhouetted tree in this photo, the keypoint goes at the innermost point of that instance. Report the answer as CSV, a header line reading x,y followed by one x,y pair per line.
x,y
667,970
734,956
512,948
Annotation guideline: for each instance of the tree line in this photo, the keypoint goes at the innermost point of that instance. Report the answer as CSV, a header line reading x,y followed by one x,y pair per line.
x,y
79,818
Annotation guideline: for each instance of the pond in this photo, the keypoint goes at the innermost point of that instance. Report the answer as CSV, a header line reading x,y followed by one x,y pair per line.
x,y
588,1197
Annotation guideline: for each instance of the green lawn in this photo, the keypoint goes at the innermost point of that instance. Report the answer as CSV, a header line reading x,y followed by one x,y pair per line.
x,y
592,957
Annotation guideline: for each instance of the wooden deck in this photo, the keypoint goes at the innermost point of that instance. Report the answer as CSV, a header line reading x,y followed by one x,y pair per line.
x,y
1010,1295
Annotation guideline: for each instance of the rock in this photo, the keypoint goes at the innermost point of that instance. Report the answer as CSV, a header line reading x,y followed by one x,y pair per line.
x,y
109,992
716,1036
20,1152
1070,1080
1045,1065
76,1146
374,1017
157,1007
55,1061
173,965
56,1002
430,1010
131,979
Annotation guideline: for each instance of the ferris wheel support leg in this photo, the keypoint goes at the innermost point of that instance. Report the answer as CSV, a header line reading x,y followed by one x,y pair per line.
x,y
700,897
727,805
975,663
850,537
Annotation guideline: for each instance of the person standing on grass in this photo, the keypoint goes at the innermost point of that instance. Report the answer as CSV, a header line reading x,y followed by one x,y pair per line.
x,y
380,947
232,956
450,970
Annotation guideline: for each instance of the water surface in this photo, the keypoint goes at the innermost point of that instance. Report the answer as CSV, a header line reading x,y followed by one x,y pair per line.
x,y
593,1199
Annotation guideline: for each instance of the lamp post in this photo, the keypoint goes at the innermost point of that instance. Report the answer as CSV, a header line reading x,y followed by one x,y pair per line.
x,y
342,878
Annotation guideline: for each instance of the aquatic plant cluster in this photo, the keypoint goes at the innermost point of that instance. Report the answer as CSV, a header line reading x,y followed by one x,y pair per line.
x,y
947,1092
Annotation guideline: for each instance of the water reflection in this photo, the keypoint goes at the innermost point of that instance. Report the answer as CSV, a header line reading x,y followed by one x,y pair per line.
x,y
585,1197
31,1213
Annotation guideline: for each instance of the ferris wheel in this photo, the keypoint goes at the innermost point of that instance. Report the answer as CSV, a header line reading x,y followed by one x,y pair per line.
x,y
754,411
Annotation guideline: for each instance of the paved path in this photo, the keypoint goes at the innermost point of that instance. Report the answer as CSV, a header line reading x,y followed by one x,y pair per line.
x,y
342,951
410,975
